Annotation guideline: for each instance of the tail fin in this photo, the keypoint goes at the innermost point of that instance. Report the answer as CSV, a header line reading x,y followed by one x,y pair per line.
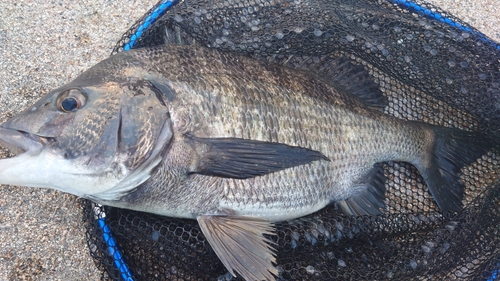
x,y
453,150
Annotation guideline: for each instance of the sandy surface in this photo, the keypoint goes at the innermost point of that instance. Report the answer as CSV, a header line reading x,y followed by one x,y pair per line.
x,y
45,44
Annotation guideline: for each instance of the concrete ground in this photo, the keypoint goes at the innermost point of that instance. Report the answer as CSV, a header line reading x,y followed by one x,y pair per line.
x,y
45,44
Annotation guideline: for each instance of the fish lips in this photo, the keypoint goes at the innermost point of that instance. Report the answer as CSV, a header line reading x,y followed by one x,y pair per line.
x,y
19,142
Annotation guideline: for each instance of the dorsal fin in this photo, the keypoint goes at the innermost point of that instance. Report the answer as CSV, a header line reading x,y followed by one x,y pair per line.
x,y
341,73
354,80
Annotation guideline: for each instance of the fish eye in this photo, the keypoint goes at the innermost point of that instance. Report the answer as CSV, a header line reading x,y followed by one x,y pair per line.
x,y
69,104
71,100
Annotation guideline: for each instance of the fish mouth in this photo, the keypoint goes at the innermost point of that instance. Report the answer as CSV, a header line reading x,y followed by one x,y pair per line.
x,y
19,142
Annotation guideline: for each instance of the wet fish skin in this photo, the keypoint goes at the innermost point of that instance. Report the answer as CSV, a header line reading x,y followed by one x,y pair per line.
x,y
212,95
166,130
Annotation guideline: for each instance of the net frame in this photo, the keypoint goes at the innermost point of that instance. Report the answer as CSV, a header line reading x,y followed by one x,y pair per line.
x,y
307,229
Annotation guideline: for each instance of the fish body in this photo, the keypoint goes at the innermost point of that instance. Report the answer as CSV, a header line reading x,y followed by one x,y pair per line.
x,y
233,142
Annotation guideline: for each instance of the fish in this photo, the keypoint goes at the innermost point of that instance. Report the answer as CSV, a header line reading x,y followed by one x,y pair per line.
x,y
233,142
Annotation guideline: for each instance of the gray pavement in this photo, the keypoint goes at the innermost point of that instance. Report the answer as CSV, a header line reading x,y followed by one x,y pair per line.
x,y
45,44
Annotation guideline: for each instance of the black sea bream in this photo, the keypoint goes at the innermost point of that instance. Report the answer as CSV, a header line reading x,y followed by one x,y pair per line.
x,y
232,142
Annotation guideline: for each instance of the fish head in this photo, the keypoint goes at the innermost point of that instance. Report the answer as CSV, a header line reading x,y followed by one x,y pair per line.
x,y
95,137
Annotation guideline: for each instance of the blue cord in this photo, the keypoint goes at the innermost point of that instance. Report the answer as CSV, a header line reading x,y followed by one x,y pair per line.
x,y
436,16
155,15
495,275
113,250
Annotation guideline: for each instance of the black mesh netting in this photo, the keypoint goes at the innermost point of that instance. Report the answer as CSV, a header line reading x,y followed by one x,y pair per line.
x,y
439,71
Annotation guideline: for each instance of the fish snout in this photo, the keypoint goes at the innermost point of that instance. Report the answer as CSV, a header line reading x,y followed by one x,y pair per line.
x,y
21,142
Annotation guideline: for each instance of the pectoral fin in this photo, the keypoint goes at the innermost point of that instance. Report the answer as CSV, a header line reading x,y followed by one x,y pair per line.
x,y
240,244
242,158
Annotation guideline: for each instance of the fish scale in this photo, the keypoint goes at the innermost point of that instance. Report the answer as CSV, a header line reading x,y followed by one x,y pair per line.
x,y
231,105
235,143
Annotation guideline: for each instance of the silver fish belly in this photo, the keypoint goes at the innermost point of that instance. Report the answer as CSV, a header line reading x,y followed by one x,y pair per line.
x,y
233,142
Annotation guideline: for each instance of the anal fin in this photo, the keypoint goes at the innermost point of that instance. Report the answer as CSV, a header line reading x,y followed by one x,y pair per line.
x,y
240,244
370,200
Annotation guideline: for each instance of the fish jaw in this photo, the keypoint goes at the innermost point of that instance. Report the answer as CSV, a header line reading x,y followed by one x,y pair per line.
x,y
40,166
17,140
